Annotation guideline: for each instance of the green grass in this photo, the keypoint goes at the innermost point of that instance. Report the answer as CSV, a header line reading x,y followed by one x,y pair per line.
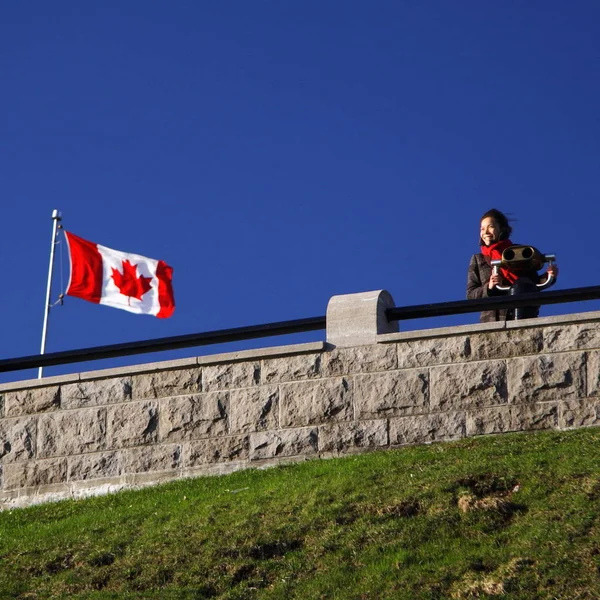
x,y
512,516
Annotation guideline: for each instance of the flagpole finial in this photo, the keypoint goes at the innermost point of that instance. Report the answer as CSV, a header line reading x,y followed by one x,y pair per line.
x,y
56,214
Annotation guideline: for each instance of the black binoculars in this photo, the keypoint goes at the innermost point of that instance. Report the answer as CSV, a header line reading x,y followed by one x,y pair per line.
x,y
522,260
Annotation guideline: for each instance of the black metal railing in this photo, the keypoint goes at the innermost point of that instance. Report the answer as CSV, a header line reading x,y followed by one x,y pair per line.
x,y
467,306
177,342
290,327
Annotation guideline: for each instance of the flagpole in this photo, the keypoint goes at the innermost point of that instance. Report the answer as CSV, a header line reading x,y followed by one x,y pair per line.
x,y
56,217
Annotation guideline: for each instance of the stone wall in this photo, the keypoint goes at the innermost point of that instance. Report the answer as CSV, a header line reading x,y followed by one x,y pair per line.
x,y
102,431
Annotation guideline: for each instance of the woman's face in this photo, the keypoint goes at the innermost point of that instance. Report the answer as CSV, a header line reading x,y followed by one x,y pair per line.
x,y
489,231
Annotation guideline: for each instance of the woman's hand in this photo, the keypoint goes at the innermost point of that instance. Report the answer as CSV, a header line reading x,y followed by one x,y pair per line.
x,y
495,279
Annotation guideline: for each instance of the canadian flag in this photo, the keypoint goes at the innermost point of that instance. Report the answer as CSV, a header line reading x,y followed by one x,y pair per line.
x,y
135,283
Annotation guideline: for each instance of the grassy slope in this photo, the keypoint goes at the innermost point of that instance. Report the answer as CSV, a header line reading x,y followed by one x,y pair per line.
x,y
515,515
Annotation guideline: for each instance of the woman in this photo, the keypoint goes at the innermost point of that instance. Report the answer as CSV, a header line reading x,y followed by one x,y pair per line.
x,y
494,237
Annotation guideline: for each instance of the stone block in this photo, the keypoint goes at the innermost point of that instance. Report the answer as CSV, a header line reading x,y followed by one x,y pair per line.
x,y
254,409
341,437
423,353
579,412
312,402
29,401
162,457
455,387
228,376
95,393
357,319
79,489
35,473
217,450
541,415
97,465
512,417
505,344
580,336
291,368
422,429
283,443
549,377
152,478
495,419
163,384
593,373
71,432
359,359
190,417
17,439
132,424
382,395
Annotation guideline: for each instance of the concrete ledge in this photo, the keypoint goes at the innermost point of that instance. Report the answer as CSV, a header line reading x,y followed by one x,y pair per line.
x,y
140,369
209,359
571,319
274,351
293,349
439,332
36,383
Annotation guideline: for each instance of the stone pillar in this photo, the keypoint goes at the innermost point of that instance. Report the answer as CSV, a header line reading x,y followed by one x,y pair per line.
x,y
357,319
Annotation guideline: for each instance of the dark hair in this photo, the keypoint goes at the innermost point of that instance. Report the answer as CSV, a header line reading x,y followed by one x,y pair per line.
x,y
502,220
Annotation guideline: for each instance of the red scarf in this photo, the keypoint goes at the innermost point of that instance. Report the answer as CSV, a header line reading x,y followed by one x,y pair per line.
x,y
494,252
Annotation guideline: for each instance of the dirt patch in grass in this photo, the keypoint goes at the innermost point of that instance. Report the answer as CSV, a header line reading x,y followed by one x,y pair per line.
x,y
497,583
467,503
395,510
488,493
271,550
486,484
60,563
102,560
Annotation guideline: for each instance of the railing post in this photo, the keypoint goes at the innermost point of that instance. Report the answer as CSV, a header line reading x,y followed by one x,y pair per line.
x,y
357,319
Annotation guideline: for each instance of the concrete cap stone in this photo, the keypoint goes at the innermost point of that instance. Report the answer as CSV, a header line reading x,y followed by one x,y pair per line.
x,y
357,319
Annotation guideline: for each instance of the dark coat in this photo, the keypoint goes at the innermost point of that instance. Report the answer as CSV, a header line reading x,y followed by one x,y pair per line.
x,y
478,278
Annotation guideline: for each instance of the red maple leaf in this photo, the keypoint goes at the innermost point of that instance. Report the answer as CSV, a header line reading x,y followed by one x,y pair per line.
x,y
129,283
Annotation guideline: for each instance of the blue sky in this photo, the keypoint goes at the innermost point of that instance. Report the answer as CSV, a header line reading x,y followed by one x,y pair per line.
x,y
277,153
